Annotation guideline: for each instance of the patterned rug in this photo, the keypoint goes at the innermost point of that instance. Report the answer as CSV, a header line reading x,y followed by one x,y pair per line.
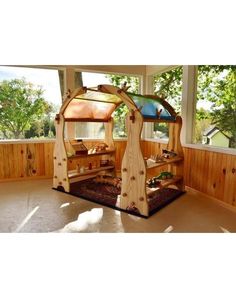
x,y
106,195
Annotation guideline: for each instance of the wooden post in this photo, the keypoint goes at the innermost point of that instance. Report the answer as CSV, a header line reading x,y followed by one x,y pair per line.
x,y
60,177
70,84
188,102
110,141
175,145
133,169
109,134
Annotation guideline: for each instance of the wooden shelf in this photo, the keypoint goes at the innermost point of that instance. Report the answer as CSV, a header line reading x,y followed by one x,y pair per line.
x,y
164,183
91,154
165,162
74,173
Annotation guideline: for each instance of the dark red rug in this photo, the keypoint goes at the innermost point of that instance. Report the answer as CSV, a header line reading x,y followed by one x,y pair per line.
x,y
106,195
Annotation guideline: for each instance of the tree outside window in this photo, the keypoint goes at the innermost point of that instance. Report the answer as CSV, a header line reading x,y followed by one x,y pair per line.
x,y
24,112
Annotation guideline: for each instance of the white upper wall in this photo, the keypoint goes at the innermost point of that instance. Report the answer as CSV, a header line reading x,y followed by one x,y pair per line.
x,y
155,69
147,70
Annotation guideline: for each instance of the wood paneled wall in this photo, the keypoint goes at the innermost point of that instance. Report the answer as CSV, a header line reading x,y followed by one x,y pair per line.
x,y
35,160
28,160
209,172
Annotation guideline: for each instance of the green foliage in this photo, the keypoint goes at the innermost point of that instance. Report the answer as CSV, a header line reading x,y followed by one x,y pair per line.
x,y
224,107
161,128
119,80
22,106
216,85
121,112
168,85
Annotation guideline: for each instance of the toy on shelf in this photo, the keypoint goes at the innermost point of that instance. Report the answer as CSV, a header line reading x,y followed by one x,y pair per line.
x,y
168,154
156,158
153,182
100,147
165,175
105,179
79,147
104,163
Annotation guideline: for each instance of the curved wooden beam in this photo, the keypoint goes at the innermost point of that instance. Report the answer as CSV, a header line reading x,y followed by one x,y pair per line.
x,y
120,93
76,92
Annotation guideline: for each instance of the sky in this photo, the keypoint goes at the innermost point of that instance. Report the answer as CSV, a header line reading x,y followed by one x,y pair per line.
x,y
93,79
48,79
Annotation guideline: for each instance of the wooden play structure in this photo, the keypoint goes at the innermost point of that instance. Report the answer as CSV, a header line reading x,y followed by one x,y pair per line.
x,y
97,105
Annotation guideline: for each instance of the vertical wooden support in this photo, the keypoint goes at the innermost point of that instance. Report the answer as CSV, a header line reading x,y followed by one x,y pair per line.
x,y
133,169
70,84
175,145
188,108
174,137
110,141
109,134
60,176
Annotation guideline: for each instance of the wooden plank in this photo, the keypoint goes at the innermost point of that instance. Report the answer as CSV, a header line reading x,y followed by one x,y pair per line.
x,y
73,174
165,183
165,162
91,154
230,180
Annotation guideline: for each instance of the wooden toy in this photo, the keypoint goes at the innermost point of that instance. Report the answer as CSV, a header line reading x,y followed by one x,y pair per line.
x,y
153,182
168,154
165,175
105,179
79,147
100,147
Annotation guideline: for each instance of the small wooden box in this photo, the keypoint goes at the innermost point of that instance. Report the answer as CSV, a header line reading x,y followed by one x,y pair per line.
x,y
104,163
79,147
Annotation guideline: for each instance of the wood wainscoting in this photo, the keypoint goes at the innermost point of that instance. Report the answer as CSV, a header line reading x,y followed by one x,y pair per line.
x,y
20,161
26,160
209,172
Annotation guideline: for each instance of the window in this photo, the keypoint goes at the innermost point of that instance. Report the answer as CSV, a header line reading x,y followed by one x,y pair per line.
x,y
215,123
29,100
167,85
96,130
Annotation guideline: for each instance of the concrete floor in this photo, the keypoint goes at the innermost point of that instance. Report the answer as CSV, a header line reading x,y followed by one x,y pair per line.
x,y
32,206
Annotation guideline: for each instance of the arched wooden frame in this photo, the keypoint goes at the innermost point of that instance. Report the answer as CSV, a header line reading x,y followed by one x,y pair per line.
x,y
133,170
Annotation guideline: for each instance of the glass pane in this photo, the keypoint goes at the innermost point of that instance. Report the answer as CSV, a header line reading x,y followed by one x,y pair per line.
x,y
150,107
99,96
90,130
82,109
161,131
29,101
216,106
168,85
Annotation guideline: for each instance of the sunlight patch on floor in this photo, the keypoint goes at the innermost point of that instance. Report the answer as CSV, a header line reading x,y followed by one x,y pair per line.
x,y
134,217
87,222
64,205
26,219
224,230
168,230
